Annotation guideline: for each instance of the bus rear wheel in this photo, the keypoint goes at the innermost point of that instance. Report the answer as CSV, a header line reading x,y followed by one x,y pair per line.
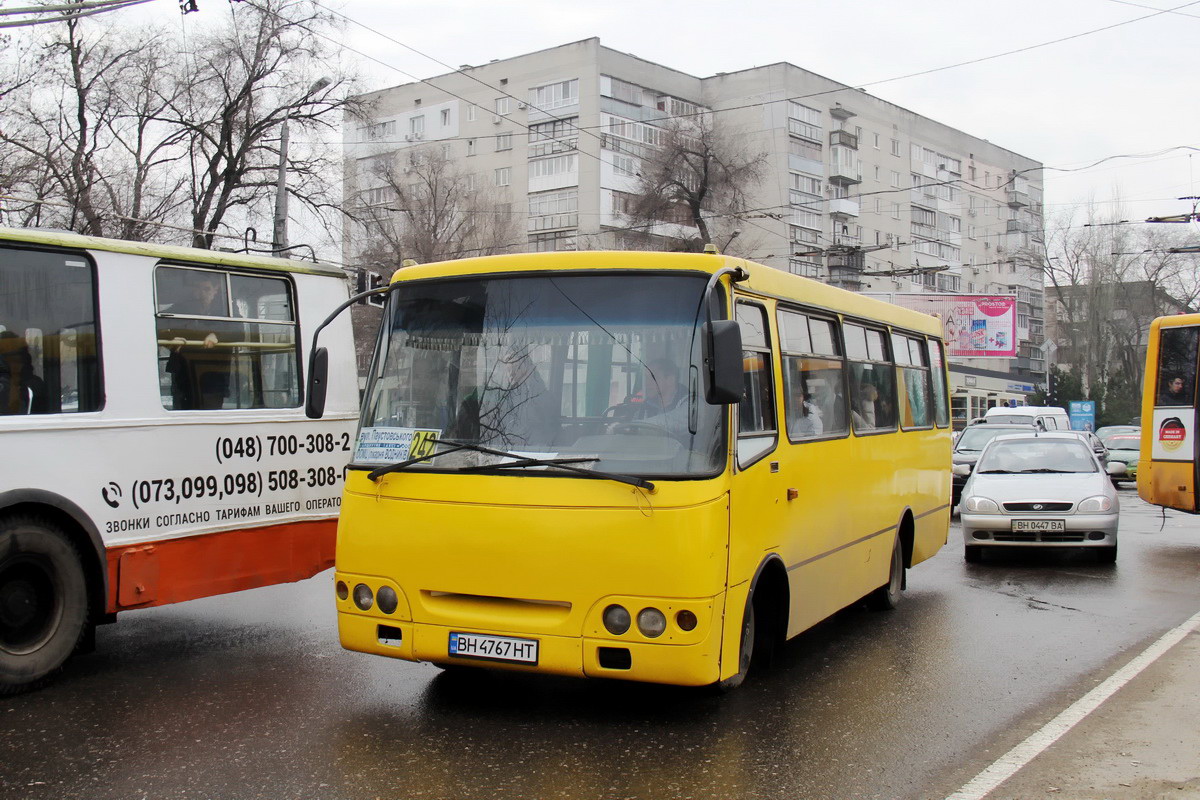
x,y
43,602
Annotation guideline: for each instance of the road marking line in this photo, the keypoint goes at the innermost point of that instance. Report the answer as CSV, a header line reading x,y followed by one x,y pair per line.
x,y
1008,764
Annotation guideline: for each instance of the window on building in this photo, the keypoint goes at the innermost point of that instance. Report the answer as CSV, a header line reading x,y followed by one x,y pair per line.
x,y
555,95
895,147
551,242
445,117
471,112
416,125
624,165
470,147
503,142
895,179
804,148
504,176
503,105
543,167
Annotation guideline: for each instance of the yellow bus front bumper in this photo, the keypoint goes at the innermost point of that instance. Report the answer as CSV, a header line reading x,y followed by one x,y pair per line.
x,y
695,664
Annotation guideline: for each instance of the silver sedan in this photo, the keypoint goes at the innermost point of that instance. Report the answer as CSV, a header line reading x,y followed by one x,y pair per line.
x,y
1039,490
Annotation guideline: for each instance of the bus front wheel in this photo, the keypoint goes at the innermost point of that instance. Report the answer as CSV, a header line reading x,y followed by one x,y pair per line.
x,y
745,652
43,601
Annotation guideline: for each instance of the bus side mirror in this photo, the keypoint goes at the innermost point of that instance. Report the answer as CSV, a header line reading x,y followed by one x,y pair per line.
x,y
723,359
318,373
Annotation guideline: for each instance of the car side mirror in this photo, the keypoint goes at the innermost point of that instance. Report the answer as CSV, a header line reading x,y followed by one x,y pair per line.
x,y
1115,468
961,469
318,375
724,382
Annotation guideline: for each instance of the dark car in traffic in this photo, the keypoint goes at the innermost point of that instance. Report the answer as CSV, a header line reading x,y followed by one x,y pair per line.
x,y
970,443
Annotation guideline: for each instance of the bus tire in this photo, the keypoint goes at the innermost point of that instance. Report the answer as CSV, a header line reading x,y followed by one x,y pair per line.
x,y
745,652
887,597
43,602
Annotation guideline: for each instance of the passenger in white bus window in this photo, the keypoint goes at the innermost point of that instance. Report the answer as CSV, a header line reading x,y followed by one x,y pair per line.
x,y
21,391
199,375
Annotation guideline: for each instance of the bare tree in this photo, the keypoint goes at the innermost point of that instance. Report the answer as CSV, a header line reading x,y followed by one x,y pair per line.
x,y
431,211
1106,281
80,134
270,65
698,175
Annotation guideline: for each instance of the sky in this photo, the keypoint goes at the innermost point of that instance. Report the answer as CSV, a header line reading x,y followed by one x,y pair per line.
x,y
1123,91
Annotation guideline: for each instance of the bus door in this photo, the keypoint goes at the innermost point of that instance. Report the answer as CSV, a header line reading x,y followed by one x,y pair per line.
x,y
816,463
1168,478
758,503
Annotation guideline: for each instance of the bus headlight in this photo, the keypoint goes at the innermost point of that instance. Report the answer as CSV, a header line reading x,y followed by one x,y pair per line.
x,y
651,622
387,599
343,591
1094,505
362,597
686,620
616,620
981,505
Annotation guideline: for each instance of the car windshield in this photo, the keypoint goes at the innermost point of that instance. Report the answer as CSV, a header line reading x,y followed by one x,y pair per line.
x,y
1032,455
1123,441
975,437
599,368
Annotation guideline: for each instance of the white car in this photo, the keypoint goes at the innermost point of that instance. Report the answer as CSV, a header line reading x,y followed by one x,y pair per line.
x,y
1040,489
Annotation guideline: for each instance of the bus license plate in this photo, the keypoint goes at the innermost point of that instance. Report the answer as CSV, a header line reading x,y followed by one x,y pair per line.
x,y
1038,525
494,648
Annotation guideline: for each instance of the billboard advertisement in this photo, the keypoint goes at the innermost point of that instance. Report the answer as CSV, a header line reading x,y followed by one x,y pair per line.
x,y
974,325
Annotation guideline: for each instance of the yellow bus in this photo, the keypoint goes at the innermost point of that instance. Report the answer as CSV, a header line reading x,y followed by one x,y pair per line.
x,y
1166,472
634,465
155,443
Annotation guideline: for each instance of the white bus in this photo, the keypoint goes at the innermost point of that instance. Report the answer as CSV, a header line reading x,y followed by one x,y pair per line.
x,y
153,441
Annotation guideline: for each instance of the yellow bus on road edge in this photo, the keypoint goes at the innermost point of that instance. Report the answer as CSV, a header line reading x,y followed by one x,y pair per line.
x,y
647,466
1166,472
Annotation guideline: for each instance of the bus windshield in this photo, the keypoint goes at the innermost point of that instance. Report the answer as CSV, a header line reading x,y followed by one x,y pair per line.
x,y
599,367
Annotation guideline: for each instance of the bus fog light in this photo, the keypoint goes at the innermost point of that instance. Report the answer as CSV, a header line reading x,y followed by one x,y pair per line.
x,y
651,622
686,620
387,599
362,597
616,620
343,591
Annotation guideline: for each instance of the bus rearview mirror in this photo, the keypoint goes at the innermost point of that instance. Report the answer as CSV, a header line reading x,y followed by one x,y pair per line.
x,y
318,373
723,357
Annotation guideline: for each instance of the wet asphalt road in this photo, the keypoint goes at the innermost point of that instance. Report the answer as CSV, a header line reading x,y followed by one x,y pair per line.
x,y
249,695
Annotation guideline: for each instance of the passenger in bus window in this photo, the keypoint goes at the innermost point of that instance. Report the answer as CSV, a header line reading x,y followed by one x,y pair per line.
x,y
21,391
864,411
805,421
199,377
1174,393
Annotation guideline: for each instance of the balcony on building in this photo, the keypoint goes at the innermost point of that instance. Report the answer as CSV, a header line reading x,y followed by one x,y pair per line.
x,y
843,139
550,222
1017,198
843,207
844,166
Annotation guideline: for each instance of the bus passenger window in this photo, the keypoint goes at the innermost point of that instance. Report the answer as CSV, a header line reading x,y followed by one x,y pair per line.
x,y
49,362
225,340
872,380
814,405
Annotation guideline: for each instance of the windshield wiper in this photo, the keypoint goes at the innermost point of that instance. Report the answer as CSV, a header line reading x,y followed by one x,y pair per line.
x,y
518,462
996,471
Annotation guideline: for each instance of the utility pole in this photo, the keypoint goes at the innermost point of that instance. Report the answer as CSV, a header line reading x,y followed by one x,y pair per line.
x,y
279,244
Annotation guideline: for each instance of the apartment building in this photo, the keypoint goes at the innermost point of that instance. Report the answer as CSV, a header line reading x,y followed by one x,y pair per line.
x,y
858,192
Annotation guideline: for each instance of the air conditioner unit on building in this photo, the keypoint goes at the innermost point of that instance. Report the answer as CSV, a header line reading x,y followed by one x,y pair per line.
x,y
520,106
496,119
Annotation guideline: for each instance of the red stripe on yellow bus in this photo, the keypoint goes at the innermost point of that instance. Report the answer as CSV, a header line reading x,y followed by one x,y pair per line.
x,y
174,570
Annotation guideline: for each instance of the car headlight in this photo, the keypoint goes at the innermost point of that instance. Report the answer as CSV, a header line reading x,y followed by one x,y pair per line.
x,y
981,505
1096,504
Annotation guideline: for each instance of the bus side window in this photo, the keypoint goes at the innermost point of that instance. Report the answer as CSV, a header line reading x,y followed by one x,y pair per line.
x,y
226,340
49,360
814,405
756,412
938,377
872,380
1177,366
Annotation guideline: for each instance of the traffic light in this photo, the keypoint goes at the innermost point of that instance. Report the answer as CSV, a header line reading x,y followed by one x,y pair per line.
x,y
366,280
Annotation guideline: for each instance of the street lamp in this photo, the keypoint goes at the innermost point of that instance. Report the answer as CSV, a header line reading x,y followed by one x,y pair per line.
x,y
279,232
